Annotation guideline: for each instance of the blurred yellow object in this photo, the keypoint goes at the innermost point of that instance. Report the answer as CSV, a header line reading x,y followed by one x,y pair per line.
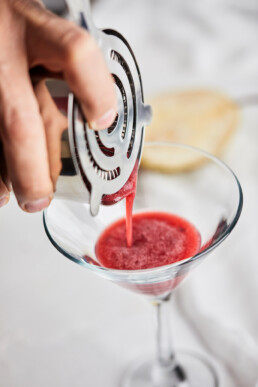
x,y
205,119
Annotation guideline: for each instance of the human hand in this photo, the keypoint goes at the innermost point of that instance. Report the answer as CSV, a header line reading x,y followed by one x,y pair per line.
x,y
30,124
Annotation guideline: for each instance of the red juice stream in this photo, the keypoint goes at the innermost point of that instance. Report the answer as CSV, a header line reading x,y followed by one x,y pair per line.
x,y
127,192
129,219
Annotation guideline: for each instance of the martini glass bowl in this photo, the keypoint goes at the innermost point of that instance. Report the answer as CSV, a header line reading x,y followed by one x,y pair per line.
x,y
176,179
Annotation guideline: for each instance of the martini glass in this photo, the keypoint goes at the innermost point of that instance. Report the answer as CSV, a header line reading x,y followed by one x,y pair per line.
x,y
175,179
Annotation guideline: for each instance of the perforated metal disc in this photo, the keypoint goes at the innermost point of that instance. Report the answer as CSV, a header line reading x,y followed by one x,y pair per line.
x,y
105,159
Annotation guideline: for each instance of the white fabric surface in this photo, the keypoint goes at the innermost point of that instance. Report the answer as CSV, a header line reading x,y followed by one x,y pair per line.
x,y
63,326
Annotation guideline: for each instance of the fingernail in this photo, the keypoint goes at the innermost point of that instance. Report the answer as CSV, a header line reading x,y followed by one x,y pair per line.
x,y
103,122
4,200
36,205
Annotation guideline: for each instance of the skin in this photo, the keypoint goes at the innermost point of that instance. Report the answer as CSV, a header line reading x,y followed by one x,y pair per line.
x,y
30,123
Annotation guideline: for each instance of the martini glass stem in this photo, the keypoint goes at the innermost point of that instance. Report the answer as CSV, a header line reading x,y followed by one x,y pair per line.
x,y
165,352
166,372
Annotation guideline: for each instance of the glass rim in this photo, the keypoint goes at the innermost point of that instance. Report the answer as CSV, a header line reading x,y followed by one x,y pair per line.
x,y
137,274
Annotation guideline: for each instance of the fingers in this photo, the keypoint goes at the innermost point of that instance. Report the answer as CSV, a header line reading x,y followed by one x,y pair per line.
x,y
61,46
55,123
23,137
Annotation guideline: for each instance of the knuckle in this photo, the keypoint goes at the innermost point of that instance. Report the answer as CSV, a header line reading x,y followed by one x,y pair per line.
x,y
50,124
55,124
76,43
13,129
16,128
25,6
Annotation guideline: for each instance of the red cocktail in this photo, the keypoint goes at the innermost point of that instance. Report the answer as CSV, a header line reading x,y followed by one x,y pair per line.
x,y
180,218
157,239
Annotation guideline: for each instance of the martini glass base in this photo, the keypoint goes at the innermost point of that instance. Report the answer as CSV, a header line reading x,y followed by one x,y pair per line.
x,y
192,371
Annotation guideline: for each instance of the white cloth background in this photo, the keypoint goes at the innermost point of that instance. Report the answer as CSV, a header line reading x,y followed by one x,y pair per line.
x,y
63,326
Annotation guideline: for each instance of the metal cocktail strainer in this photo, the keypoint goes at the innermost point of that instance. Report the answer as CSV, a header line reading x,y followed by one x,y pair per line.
x,y
100,163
